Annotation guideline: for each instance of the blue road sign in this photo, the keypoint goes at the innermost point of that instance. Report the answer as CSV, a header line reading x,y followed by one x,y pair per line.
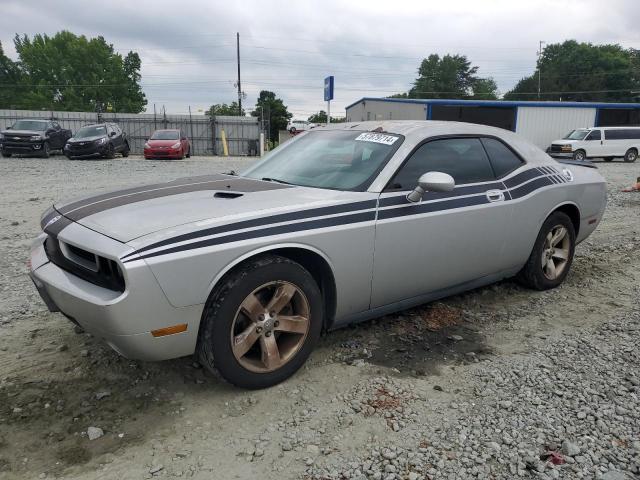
x,y
328,88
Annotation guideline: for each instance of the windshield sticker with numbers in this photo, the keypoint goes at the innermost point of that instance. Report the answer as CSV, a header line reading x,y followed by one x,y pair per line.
x,y
377,138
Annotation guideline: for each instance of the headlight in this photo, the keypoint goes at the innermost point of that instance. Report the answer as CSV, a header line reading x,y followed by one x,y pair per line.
x,y
102,140
146,145
176,145
36,137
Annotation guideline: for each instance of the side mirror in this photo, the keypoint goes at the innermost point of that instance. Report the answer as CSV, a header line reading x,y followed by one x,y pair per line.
x,y
9,128
431,182
112,134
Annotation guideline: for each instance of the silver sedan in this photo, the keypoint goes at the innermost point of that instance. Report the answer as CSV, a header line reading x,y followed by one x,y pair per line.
x,y
341,224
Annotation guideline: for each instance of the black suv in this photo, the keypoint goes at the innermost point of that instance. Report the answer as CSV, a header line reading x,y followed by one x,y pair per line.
x,y
31,137
101,140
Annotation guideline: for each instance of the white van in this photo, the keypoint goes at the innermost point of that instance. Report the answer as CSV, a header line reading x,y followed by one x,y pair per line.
x,y
600,142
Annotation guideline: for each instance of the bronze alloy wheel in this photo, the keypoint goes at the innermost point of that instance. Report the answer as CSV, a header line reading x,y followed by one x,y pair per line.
x,y
270,326
555,252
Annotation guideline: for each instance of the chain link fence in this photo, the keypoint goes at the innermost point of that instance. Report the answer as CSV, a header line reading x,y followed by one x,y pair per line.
x,y
205,132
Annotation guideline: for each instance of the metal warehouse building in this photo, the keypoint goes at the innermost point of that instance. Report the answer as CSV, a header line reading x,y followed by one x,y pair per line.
x,y
540,122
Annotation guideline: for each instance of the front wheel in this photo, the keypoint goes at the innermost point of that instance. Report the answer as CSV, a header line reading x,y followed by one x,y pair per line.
x,y
579,155
126,150
552,254
5,154
261,322
189,152
46,150
631,155
111,151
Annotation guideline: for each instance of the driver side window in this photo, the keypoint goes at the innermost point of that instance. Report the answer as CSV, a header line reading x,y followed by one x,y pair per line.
x,y
594,135
462,158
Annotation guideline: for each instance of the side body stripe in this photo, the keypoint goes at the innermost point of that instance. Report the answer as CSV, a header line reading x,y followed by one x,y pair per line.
x,y
515,187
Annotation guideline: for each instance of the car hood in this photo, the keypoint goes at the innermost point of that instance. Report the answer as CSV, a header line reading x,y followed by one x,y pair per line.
x,y
565,142
162,143
166,209
85,139
22,133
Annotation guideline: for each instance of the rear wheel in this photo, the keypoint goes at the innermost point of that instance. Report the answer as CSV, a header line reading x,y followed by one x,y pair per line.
x,y
552,254
579,155
261,322
631,155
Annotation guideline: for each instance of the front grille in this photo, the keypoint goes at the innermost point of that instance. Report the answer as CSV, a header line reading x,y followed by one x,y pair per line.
x,y
85,149
95,269
560,148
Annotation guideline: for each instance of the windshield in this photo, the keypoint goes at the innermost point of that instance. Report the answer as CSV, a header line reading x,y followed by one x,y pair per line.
x,y
334,159
37,125
91,131
577,134
165,135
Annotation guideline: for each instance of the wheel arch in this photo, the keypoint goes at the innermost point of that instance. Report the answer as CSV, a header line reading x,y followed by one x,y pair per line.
x,y
571,210
312,259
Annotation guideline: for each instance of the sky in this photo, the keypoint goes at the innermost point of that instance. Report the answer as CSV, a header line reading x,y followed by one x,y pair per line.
x,y
373,48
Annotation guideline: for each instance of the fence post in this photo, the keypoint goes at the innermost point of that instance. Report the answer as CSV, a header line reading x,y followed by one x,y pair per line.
x,y
191,127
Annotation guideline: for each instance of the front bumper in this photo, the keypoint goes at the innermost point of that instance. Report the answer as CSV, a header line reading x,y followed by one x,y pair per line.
x,y
17,148
90,151
561,154
162,153
122,319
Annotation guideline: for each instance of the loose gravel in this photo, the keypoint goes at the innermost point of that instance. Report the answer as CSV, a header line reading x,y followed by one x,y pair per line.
x,y
497,383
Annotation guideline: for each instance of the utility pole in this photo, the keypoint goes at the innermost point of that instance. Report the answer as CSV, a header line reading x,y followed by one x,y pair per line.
x,y
539,73
239,87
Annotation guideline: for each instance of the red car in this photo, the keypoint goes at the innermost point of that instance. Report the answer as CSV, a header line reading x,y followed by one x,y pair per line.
x,y
167,144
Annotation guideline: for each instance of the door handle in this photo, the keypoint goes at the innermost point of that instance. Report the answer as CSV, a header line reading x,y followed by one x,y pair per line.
x,y
495,195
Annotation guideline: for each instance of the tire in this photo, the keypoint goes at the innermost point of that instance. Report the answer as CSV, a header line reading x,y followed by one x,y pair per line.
x,y
608,159
293,130
5,154
631,155
533,274
125,152
223,318
46,150
189,152
579,155
181,155
111,152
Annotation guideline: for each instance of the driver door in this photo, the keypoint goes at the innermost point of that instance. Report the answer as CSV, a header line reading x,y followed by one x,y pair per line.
x,y
448,238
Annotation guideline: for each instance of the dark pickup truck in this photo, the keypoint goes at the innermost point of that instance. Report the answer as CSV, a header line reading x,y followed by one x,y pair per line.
x,y
33,137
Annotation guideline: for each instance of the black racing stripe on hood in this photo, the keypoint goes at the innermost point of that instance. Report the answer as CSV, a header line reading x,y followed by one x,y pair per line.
x,y
56,227
94,205
262,221
281,229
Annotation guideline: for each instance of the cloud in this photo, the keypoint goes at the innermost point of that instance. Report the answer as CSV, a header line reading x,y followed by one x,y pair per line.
x,y
372,48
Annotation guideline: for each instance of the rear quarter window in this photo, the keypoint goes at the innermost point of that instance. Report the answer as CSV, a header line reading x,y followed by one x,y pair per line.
x,y
502,158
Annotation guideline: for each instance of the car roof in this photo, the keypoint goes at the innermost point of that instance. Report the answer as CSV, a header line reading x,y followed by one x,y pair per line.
x,y
419,127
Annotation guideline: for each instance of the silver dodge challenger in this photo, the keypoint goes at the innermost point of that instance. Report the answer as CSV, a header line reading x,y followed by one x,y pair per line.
x,y
339,225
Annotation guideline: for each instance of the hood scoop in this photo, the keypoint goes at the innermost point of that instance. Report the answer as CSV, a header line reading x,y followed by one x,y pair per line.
x,y
227,195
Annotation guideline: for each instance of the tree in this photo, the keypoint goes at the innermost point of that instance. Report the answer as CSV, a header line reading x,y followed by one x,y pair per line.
x,y
224,109
275,112
451,76
9,79
321,117
70,72
583,72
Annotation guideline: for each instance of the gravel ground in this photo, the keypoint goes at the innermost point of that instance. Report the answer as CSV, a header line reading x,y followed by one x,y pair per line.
x,y
498,383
